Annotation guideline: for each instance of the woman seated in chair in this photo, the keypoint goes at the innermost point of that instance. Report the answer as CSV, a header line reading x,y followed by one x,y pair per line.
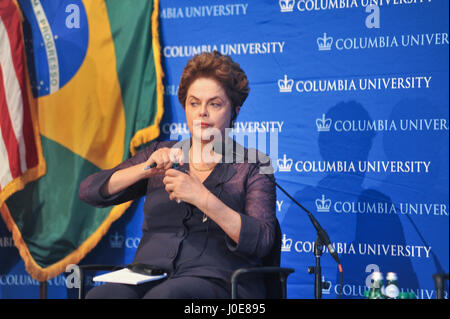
x,y
210,215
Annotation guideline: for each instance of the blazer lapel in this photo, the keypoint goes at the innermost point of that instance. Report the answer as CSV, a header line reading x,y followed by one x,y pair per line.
x,y
221,174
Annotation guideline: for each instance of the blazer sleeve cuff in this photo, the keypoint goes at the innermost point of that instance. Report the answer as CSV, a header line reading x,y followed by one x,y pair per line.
x,y
248,237
102,195
97,197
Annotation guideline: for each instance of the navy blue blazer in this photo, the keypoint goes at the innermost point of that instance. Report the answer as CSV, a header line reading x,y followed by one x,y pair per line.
x,y
176,237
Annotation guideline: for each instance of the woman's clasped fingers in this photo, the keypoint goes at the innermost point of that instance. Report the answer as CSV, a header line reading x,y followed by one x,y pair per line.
x,y
172,182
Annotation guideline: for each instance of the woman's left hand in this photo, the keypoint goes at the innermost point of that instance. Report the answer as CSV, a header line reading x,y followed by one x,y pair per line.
x,y
184,187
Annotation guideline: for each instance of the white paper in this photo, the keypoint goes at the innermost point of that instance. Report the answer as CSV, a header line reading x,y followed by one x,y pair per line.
x,y
126,276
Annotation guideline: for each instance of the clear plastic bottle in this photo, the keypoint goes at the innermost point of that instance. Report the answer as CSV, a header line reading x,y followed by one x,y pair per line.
x,y
376,291
391,291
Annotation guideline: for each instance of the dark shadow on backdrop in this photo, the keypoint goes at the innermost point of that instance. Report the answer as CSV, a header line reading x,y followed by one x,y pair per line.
x,y
357,229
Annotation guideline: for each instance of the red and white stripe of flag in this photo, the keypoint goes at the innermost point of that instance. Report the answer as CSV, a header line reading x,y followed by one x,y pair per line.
x,y
18,151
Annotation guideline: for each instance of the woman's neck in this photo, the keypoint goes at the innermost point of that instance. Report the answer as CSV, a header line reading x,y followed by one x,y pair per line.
x,y
202,153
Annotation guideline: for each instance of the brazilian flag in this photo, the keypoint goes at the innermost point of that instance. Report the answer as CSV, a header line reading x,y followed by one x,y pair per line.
x,y
95,72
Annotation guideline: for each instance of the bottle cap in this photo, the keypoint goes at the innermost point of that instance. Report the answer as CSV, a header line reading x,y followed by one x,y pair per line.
x,y
391,276
376,275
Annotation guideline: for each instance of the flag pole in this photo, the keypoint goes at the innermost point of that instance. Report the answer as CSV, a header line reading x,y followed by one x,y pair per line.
x,y
43,289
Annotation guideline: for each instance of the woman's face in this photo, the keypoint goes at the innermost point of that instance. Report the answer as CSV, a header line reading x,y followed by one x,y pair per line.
x,y
208,109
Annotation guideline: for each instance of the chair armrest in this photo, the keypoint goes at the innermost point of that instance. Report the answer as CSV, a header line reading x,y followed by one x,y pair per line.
x,y
284,273
84,268
99,267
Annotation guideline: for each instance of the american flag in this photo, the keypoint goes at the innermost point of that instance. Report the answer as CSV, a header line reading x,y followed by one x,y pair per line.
x,y
19,143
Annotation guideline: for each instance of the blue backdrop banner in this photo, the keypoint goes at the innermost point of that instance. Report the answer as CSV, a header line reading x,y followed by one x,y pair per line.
x,y
350,99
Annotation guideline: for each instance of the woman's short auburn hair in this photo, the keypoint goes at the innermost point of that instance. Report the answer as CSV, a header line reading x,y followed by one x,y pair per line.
x,y
217,67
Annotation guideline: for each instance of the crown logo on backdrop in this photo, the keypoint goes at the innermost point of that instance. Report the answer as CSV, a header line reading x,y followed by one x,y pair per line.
x,y
324,43
286,5
323,205
286,244
285,85
323,124
116,240
285,164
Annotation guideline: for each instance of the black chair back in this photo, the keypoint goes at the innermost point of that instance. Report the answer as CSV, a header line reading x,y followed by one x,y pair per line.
x,y
274,289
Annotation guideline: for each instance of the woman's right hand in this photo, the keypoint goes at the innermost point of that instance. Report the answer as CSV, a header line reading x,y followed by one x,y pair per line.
x,y
164,158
